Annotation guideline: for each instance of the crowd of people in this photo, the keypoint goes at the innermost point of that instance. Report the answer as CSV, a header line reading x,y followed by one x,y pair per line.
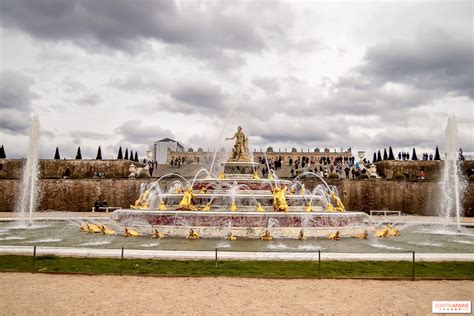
x,y
342,166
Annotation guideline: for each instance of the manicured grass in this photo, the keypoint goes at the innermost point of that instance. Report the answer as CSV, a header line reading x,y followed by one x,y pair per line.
x,y
275,269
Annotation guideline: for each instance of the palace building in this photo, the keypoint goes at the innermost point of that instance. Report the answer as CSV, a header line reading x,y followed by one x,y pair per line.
x,y
167,150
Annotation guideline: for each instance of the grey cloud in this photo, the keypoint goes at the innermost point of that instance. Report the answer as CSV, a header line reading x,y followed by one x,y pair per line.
x,y
136,133
13,122
72,85
47,134
201,97
432,61
269,85
135,82
126,25
15,102
90,135
90,99
15,91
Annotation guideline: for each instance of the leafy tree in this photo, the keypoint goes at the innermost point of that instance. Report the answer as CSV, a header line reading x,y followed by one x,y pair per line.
x,y
56,154
2,153
120,155
437,156
78,154
375,157
390,154
131,155
413,155
136,157
126,154
385,156
379,156
99,154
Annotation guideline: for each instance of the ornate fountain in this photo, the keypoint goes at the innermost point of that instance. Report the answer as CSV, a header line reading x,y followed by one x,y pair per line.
x,y
240,204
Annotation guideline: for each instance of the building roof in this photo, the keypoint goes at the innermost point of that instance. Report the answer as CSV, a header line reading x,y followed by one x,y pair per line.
x,y
169,140
166,140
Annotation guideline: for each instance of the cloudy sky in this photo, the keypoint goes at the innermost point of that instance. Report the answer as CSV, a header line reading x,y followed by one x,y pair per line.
x,y
306,74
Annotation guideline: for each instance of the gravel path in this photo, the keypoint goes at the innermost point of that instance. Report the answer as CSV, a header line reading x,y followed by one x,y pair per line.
x,y
24,293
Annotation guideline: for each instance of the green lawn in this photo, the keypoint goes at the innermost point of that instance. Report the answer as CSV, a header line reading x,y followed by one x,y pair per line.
x,y
280,269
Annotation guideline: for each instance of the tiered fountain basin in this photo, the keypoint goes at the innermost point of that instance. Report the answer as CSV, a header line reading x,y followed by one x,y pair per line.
x,y
247,224
240,204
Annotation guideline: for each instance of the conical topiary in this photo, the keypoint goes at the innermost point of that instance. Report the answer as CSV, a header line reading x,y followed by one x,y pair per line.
x,y
375,157
136,157
379,156
78,154
126,154
99,154
56,154
385,156
437,156
131,155
390,154
413,155
2,153
120,155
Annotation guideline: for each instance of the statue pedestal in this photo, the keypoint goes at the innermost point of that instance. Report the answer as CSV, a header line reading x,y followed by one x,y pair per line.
x,y
239,167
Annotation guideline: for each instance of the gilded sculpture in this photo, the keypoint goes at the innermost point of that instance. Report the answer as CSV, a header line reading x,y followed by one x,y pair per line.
x,y
240,150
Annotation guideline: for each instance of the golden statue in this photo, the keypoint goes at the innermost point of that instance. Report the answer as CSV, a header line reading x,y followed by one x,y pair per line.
x,y
309,207
107,231
266,236
206,207
259,207
301,235
330,208
230,236
142,202
192,235
240,150
131,232
186,203
363,235
157,234
93,228
279,200
393,232
221,175
163,206
255,175
84,227
383,232
233,207
337,202
334,236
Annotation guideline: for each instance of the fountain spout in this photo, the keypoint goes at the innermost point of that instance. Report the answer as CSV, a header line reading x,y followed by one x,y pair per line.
x,y
28,199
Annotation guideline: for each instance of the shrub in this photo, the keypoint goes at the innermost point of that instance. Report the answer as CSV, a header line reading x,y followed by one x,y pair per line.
x,y
363,176
400,177
471,177
76,176
333,176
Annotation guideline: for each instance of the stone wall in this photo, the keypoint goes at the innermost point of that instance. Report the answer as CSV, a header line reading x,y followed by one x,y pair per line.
x,y
50,168
413,197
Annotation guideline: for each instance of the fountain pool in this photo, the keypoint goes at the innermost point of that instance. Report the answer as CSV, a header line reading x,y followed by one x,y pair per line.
x,y
65,233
